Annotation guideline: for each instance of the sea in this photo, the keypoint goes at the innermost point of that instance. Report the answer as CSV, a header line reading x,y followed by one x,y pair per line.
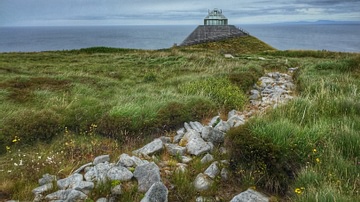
x,y
331,37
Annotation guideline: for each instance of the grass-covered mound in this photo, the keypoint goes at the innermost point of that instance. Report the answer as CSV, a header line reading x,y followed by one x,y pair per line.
x,y
236,45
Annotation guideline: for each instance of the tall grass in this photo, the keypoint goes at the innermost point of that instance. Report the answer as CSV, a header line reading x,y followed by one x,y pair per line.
x,y
317,134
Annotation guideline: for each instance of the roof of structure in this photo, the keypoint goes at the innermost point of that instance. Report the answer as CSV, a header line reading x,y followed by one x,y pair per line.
x,y
215,14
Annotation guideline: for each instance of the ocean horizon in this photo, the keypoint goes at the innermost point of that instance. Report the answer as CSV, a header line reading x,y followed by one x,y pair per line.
x,y
331,37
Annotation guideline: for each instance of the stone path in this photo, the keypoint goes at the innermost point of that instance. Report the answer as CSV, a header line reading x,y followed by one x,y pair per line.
x,y
191,141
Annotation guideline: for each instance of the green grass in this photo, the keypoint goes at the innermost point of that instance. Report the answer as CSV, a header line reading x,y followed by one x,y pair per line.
x,y
313,141
60,109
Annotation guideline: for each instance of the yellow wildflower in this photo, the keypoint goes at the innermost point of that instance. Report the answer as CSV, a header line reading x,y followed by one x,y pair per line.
x,y
299,190
317,160
314,151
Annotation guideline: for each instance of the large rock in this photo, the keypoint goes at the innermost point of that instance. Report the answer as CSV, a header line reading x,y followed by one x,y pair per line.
x,y
147,175
70,182
175,150
197,126
198,146
236,121
157,193
43,188
98,173
189,135
213,170
250,195
119,173
151,148
46,179
202,182
130,161
222,126
212,135
66,195
101,159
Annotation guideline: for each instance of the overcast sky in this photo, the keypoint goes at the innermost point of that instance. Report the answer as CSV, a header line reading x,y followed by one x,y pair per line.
x,y
167,12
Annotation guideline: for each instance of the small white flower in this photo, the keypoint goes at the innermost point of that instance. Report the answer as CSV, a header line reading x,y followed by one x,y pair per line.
x,y
21,162
15,164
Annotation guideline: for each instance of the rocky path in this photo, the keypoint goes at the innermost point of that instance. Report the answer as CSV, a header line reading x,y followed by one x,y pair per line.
x,y
194,140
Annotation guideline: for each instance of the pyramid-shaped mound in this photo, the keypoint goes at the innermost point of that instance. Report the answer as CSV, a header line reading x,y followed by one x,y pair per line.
x,y
215,28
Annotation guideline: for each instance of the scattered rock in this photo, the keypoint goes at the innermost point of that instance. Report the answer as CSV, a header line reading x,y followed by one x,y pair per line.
x,y
157,193
43,188
198,146
101,159
151,148
175,150
202,182
207,158
47,178
119,173
70,182
213,170
147,175
250,195
212,135
66,195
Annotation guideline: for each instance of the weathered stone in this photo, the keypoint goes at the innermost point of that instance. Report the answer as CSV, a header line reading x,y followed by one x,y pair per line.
x,y
165,139
43,188
232,113
198,146
101,159
147,175
250,195
125,160
212,135
98,173
70,182
222,126
202,182
84,186
186,159
175,150
255,94
151,148
179,134
66,195
224,174
207,158
82,167
119,173
47,178
188,136
157,193
187,127
197,126
214,121
236,121
116,190
212,170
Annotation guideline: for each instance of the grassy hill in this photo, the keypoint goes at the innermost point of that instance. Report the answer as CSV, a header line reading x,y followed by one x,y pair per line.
x,y
60,109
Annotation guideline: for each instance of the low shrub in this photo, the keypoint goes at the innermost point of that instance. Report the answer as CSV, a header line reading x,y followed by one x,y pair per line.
x,y
267,164
28,127
246,79
173,115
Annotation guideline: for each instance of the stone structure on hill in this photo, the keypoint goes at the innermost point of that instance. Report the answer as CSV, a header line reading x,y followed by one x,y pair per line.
x,y
215,28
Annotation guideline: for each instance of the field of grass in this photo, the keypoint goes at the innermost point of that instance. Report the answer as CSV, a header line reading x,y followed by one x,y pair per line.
x,y
61,109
